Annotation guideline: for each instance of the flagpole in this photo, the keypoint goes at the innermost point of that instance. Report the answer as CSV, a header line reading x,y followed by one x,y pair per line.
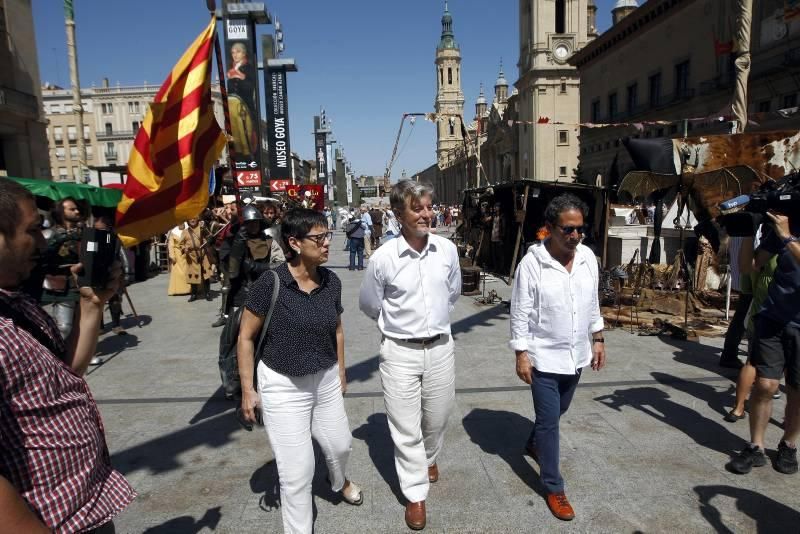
x,y
226,112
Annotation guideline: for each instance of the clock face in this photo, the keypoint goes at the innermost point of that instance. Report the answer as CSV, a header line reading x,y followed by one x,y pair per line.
x,y
561,52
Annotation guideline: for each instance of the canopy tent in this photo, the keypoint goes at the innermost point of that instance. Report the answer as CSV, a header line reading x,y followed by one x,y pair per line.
x,y
95,196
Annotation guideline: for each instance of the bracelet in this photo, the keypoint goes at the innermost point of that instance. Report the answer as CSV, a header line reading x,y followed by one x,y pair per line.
x,y
788,240
598,340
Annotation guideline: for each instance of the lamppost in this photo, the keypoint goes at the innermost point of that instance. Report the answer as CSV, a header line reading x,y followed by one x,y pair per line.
x,y
75,84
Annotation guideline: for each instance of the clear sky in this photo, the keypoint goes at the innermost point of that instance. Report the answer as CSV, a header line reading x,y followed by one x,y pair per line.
x,y
365,62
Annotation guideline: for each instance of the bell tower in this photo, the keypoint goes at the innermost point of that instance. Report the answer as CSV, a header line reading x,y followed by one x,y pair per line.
x,y
449,103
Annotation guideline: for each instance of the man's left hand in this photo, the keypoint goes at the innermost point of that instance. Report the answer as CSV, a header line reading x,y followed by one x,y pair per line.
x,y
598,356
780,223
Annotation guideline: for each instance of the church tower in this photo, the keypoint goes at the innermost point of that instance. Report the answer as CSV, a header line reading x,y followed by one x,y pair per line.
x,y
449,103
550,31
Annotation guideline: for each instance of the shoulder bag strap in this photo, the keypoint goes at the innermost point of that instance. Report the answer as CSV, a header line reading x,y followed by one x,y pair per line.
x,y
267,317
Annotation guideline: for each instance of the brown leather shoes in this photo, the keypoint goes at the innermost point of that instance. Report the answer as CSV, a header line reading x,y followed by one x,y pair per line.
x,y
433,473
415,515
559,505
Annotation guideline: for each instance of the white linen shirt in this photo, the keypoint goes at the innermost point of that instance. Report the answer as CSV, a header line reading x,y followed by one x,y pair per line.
x,y
555,312
411,293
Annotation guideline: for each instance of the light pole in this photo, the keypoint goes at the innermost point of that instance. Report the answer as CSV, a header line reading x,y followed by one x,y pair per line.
x,y
77,105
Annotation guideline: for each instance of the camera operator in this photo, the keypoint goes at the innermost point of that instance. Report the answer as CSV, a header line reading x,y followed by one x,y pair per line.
x,y
55,471
776,348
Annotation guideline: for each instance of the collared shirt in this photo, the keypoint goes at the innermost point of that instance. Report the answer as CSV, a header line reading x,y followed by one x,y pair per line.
x,y
301,336
554,312
782,305
366,221
52,443
411,293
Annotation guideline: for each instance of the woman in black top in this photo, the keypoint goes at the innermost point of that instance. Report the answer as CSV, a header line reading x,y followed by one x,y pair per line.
x,y
301,373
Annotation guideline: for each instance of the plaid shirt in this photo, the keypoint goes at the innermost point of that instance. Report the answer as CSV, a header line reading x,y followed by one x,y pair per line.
x,y
52,443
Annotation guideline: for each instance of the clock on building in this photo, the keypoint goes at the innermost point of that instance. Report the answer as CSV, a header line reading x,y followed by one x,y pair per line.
x,y
561,52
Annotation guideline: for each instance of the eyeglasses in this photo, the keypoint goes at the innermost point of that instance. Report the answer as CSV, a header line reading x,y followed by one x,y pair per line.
x,y
569,229
320,239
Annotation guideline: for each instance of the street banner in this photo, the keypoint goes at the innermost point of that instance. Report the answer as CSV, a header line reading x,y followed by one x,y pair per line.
x,y
243,99
321,156
369,191
279,185
280,161
311,196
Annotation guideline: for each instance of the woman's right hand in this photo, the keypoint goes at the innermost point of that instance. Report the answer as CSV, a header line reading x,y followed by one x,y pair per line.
x,y
250,403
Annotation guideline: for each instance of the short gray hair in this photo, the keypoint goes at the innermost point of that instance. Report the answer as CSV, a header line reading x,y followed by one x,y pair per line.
x,y
406,190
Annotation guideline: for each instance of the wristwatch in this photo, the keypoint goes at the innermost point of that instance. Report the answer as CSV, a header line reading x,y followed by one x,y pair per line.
x,y
790,239
598,340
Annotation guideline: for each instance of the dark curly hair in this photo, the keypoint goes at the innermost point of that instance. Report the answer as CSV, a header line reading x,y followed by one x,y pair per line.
x,y
564,202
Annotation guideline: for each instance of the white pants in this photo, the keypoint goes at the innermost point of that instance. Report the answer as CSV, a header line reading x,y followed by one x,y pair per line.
x,y
295,409
419,392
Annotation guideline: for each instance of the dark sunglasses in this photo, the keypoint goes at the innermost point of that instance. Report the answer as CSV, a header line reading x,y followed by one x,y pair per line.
x,y
320,239
582,230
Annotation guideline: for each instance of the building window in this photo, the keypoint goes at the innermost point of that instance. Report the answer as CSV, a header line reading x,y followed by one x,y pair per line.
x,y
62,173
563,137
449,76
109,129
612,106
561,16
89,152
682,79
764,106
73,152
562,171
75,174
563,88
107,109
72,133
790,101
60,154
632,100
133,107
441,76
654,84
135,125
452,129
58,134
596,111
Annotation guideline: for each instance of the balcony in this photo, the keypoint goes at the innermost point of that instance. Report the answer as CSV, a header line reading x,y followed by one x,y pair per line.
x,y
110,156
115,135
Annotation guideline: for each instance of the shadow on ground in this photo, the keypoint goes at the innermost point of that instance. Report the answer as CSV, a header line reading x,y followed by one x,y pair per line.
x,y
216,404
698,355
658,405
375,433
769,515
485,317
503,434
187,524
364,370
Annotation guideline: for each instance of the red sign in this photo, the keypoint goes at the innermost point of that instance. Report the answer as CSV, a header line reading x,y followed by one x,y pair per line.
x,y
248,178
279,185
310,196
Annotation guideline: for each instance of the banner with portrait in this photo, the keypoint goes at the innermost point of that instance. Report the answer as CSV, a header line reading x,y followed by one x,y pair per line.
x,y
321,156
279,148
243,99
311,196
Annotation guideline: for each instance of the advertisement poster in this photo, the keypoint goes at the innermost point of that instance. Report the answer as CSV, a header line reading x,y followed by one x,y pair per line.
x,y
279,186
322,158
311,196
280,161
243,105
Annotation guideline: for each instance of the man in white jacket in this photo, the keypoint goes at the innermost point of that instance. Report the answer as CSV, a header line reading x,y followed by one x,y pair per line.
x,y
556,331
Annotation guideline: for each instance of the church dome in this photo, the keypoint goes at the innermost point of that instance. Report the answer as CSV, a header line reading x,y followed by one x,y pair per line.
x,y
621,4
481,97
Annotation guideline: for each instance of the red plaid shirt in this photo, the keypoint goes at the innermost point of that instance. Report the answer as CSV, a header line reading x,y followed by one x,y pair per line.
x,y
52,443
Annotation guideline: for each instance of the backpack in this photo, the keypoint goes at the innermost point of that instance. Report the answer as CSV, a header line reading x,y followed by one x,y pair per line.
x,y
352,226
228,362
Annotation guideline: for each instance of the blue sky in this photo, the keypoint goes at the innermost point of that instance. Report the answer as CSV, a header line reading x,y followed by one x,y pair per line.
x,y
365,62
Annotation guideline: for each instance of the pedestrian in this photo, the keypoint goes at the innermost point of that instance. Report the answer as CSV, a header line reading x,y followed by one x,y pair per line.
x,y
355,242
391,224
736,328
556,331
301,368
198,265
178,284
776,348
410,286
376,216
55,469
367,220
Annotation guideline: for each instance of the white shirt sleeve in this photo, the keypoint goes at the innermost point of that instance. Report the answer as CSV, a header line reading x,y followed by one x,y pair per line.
x,y
522,305
454,277
596,318
370,297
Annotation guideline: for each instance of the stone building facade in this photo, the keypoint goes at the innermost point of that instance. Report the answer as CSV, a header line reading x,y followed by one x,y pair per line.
x,y
671,60
23,141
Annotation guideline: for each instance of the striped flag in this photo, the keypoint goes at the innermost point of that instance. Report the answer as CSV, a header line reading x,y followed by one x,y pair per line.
x,y
174,150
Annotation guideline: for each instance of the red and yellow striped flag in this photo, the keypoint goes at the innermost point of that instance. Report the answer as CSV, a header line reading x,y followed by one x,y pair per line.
x,y
174,150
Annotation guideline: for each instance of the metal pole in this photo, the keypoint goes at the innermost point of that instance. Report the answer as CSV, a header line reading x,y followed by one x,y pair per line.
x,y
77,106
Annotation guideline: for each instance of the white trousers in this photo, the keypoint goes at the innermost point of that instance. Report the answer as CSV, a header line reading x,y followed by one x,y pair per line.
x,y
418,392
295,409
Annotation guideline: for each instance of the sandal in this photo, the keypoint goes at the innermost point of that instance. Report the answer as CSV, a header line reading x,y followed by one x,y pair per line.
x,y
352,494
731,417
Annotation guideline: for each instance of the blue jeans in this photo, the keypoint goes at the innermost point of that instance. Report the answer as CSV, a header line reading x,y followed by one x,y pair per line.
x,y
552,395
356,246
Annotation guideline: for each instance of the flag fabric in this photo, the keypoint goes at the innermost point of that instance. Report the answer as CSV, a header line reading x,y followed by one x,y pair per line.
x,y
174,150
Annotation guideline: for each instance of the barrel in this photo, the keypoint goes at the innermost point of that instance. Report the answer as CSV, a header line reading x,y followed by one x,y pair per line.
x,y
470,280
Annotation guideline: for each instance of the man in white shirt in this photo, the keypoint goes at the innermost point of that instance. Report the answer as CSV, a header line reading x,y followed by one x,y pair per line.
x,y
410,287
556,331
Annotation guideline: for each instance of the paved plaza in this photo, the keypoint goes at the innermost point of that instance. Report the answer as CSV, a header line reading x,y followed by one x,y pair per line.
x,y
643,446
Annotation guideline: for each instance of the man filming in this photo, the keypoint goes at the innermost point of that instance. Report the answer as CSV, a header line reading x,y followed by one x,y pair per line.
x,y
776,348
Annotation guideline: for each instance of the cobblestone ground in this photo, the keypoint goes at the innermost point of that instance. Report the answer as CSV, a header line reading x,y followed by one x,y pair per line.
x,y
643,447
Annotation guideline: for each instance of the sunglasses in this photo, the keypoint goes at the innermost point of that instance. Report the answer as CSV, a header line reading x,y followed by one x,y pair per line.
x,y
320,239
569,229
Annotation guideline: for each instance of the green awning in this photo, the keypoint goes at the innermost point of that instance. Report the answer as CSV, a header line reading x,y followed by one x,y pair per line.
x,y
95,196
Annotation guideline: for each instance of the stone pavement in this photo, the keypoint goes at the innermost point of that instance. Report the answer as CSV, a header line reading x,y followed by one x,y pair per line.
x,y
643,445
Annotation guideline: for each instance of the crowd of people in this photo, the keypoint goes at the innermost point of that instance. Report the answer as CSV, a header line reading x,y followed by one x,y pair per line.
x,y
290,347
